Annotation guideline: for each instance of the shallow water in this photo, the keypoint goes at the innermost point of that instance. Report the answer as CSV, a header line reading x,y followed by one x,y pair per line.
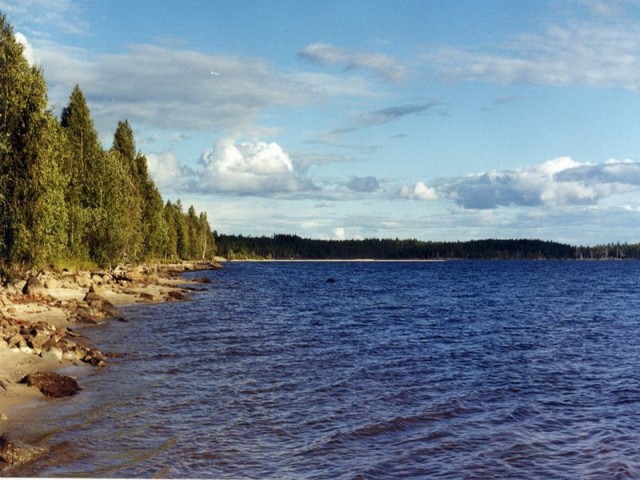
x,y
394,370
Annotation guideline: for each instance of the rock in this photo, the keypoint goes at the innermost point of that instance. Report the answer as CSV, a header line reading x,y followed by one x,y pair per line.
x,y
26,350
52,384
98,302
54,353
37,339
147,296
87,319
17,340
94,357
51,283
33,287
69,355
13,451
175,295
205,280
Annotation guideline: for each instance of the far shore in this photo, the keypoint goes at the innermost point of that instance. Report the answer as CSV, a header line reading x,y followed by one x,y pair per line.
x,y
334,260
38,317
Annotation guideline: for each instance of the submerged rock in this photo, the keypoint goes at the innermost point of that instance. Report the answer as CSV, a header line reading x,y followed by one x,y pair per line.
x,y
14,451
52,384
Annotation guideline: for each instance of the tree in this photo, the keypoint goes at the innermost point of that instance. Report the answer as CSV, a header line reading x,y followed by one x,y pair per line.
x,y
124,143
84,156
30,185
62,194
114,236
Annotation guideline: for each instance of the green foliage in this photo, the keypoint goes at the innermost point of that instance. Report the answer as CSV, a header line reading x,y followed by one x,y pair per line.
x,y
295,247
63,198
31,186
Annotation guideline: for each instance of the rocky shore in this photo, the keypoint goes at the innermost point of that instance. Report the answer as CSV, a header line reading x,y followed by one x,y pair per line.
x,y
38,337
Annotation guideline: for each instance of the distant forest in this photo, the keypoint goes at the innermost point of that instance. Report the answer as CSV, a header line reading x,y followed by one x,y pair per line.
x,y
292,247
64,199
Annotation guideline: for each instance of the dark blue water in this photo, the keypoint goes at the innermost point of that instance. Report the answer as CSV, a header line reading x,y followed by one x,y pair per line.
x,y
394,370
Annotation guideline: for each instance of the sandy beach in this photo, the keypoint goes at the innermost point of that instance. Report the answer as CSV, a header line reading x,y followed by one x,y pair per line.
x,y
38,316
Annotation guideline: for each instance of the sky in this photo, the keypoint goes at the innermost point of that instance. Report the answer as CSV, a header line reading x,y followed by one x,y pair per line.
x,y
333,119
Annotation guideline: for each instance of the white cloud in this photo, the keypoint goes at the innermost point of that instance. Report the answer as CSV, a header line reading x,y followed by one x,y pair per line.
x,y
64,14
27,51
339,233
578,53
384,65
167,172
556,182
419,192
250,168
162,87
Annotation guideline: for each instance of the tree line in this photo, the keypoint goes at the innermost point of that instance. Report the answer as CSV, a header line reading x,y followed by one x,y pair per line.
x,y
64,198
292,247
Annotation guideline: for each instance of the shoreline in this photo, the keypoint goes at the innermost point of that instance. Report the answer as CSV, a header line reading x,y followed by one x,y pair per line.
x,y
38,317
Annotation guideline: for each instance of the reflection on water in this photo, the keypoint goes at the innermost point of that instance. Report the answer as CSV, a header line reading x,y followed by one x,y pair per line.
x,y
395,370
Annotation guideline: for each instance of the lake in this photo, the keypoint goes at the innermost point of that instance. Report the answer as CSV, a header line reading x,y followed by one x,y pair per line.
x,y
460,369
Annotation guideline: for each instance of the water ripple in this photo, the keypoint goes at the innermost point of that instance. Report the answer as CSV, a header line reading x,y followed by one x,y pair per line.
x,y
395,370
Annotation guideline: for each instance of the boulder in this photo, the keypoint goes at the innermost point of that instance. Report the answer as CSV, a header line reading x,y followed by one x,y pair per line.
x,y
147,296
52,384
14,451
101,304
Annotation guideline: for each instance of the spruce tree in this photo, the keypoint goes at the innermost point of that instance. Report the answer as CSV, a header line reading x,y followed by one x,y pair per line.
x,y
84,157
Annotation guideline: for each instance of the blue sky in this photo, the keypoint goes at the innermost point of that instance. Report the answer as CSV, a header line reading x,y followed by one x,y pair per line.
x,y
434,120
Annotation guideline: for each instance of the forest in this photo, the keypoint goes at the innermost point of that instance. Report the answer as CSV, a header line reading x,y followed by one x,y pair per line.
x,y
66,200
293,247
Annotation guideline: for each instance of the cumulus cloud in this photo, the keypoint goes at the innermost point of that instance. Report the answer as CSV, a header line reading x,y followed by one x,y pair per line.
x,y
578,53
256,168
420,191
27,51
384,65
168,173
557,182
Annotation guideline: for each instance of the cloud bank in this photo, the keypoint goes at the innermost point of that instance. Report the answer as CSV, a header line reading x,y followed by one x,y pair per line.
x,y
162,87
558,182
